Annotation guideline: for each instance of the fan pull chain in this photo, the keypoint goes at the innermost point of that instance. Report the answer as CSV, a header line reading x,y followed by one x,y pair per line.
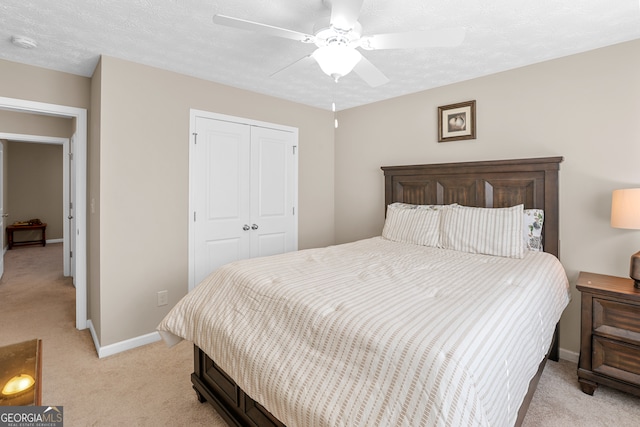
x,y
333,106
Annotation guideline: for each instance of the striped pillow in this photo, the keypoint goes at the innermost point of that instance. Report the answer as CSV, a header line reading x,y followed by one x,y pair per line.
x,y
410,225
490,231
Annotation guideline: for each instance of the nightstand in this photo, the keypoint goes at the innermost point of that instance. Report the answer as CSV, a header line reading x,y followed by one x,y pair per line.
x,y
610,333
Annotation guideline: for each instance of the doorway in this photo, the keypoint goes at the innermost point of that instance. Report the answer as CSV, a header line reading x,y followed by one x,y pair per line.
x,y
67,199
77,231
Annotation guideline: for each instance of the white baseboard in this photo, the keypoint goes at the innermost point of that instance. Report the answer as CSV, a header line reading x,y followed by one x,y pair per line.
x,y
571,356
4,249
111,349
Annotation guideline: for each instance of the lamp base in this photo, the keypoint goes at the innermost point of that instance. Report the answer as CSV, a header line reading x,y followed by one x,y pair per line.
x,y
634,269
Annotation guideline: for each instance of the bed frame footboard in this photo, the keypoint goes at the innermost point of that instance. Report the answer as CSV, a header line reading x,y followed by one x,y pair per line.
x,y
213,385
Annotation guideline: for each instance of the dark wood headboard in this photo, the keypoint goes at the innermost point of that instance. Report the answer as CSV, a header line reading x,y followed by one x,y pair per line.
x,y
490,184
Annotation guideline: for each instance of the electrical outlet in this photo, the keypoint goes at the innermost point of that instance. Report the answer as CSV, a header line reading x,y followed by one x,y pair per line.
x,y
163,298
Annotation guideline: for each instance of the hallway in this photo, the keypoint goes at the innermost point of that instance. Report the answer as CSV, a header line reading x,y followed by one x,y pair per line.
x,y
33,288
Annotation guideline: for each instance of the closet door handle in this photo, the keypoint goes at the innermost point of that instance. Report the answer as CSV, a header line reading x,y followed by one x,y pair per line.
x,y
254,227
246,227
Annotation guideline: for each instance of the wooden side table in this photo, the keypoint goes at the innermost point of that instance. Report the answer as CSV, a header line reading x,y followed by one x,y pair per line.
x,y
37,227
610,333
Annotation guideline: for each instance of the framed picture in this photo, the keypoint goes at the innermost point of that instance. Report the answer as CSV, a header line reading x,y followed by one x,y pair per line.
x,y
457,121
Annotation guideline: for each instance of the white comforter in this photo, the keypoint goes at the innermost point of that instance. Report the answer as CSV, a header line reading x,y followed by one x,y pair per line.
x,y
378,333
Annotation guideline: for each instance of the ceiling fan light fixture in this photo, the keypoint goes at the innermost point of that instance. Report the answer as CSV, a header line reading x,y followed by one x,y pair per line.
x,y
337,60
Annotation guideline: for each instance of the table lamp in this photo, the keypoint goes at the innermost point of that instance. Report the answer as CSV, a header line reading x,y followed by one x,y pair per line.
x,y
625,213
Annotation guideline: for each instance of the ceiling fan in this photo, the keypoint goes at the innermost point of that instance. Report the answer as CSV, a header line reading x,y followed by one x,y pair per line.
x,y
338,39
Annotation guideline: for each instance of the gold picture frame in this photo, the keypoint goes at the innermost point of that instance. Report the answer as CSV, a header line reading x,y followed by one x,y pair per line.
x,y
457,121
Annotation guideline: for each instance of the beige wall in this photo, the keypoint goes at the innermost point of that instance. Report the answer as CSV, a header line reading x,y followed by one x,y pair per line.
x,y
35,124
584,107
143,187
42,85
34,186
94,311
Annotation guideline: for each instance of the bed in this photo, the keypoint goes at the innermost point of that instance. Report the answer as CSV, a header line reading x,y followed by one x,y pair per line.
x,y
414,339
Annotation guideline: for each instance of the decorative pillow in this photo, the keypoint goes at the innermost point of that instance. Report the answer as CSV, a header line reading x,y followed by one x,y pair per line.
x,y
400,205
412,225
490,231
533,221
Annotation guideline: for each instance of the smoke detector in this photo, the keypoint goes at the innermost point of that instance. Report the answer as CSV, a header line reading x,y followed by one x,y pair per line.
x,y
24,42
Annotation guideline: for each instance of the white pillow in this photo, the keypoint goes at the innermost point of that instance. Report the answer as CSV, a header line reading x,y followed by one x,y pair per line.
x,y
412,225
533,221
490,231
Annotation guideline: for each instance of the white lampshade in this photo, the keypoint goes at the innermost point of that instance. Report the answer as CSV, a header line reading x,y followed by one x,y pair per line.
x,y
337,60
625,208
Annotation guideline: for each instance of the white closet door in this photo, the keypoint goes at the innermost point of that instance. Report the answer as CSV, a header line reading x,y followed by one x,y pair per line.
x,y
243,191
273,191
221,194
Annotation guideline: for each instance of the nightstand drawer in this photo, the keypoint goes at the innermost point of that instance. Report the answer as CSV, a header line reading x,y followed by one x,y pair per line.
x,y
616,319
610,333
616,359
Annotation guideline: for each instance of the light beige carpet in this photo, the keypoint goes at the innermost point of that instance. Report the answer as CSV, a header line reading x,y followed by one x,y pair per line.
x,y
150,385
147,386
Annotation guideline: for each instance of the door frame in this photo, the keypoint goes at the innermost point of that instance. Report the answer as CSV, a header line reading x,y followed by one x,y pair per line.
x,y
193,115
39,139
80,196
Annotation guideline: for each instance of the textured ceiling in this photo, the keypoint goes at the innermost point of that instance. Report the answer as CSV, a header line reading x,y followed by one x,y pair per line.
x,y
179,35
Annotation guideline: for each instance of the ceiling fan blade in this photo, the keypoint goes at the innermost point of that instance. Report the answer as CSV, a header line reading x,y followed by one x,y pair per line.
x,y
344,13
447,37
262,28
302,61
370,73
